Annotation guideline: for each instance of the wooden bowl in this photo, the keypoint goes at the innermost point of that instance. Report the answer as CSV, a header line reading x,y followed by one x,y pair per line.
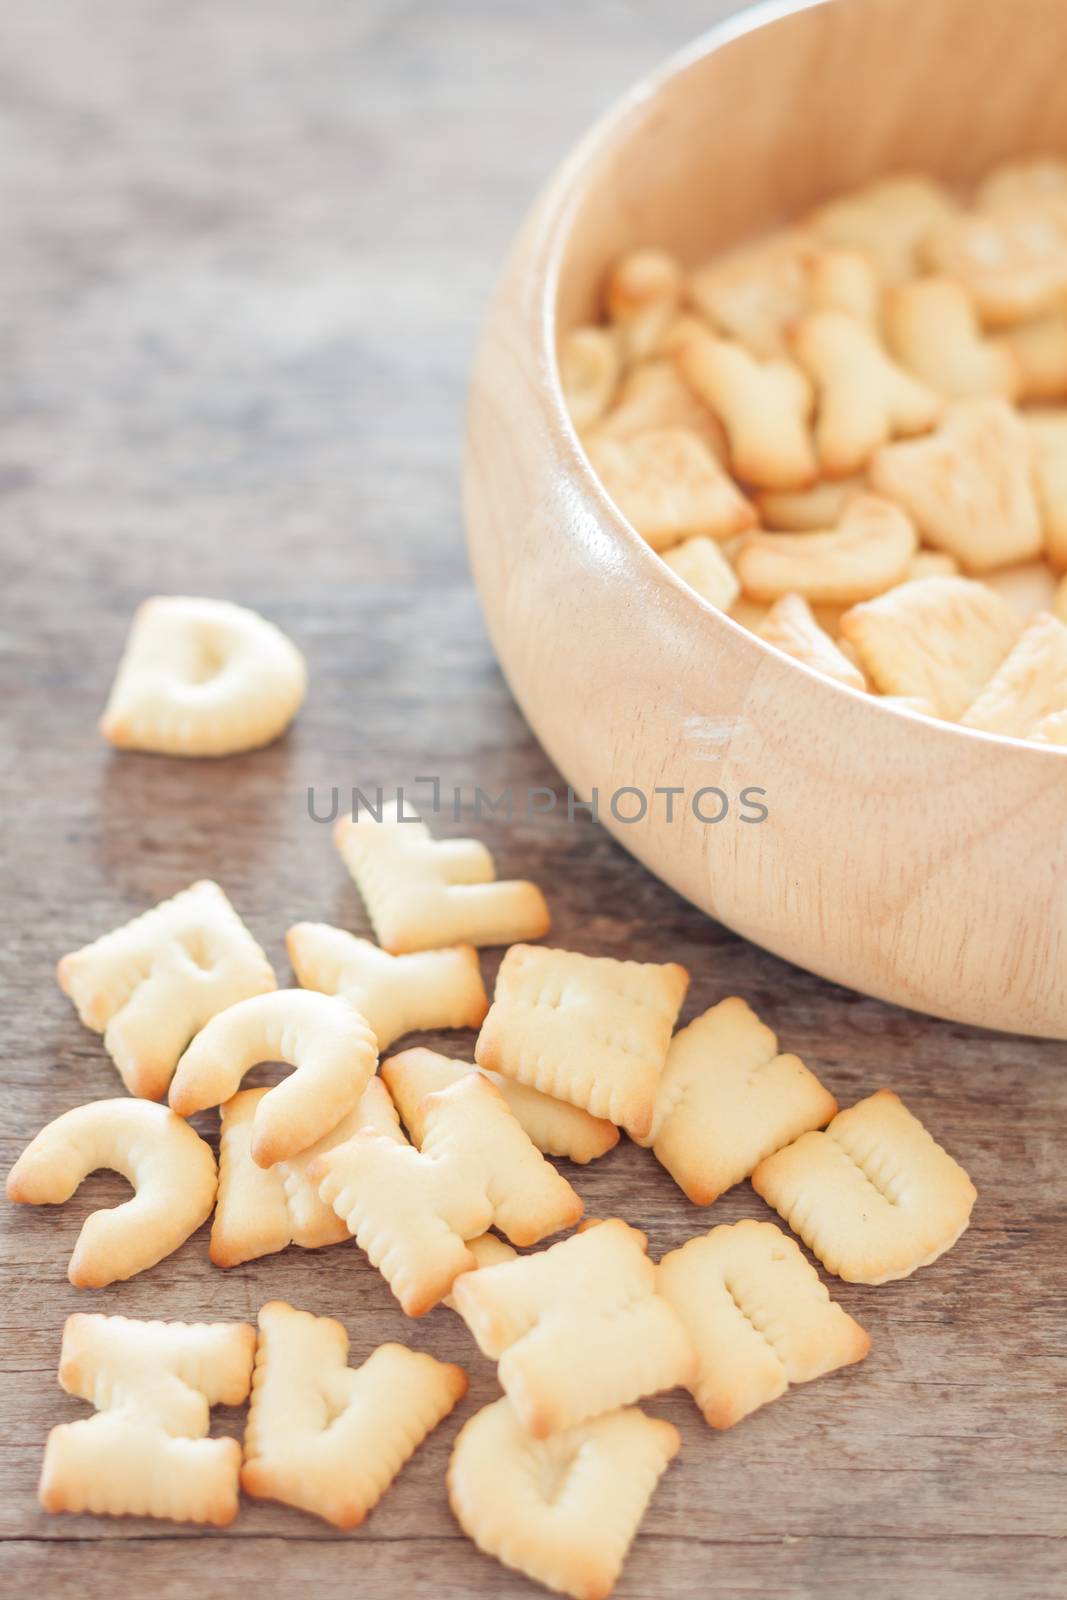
x,y
910,859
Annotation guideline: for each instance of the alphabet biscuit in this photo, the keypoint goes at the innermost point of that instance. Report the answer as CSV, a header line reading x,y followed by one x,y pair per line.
x,y
669,485
150,985
701,564
874,1196
328,1438
968,487
938,640
427,990
867,553
262,1210
321,1036
1026,697
765,407
727,1099
146,1451
563,1510
422,893
589,1030
577,1329
413,1211
790,626
759,1318
170,1167
203,678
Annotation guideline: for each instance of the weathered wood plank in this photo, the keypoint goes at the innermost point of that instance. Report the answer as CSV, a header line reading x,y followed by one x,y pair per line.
x,y
247,249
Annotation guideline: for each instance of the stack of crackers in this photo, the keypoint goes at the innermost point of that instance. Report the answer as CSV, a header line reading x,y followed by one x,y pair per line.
x,y
851,436
441,1171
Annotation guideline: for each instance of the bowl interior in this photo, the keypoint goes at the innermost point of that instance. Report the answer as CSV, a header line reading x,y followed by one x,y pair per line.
x,y
785,105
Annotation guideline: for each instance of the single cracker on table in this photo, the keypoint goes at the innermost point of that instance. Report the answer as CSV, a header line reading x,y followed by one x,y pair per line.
x,y
937,640
866,554
701,564
1026,698
590,1030
563,1511
765,407
874,1196
556,1128
326,1041
577,1329
669,485
171,1170
727,1099
261,1210
329,1438
203,678
864,397
933,330
759,1317
790,625
413,1210
146,1452
427,990
969,487
423,893
150,985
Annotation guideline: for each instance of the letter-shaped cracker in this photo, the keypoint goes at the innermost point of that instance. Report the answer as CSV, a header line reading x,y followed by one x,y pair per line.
x,y
327,1437
203,678
488,1250
790,625
886,221
329,1044
765,407
1027,695
422,893
669,485
867,553
933,330
412,1211
1048,436
727,1099
577,1329
807,510
170,1167
1039,350
1012,261
556,1128
262,1210
564,1510
938,640
590,362
1033,180
587,1029
146,1452
759,1318
969,487
874,1197
150,985
655,395
429,989
701,564
754,292
642,295
865,399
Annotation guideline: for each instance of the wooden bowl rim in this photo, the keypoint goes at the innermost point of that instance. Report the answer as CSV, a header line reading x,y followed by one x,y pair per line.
x,y
561,202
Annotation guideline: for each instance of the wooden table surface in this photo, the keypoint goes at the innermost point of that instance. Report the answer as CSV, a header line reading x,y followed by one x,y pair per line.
x,y
246,250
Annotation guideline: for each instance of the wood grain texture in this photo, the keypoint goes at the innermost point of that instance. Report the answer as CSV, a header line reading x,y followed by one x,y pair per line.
x,y
247,248
905,853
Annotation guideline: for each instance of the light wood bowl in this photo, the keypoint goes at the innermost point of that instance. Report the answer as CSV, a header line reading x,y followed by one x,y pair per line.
x,y
913,860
